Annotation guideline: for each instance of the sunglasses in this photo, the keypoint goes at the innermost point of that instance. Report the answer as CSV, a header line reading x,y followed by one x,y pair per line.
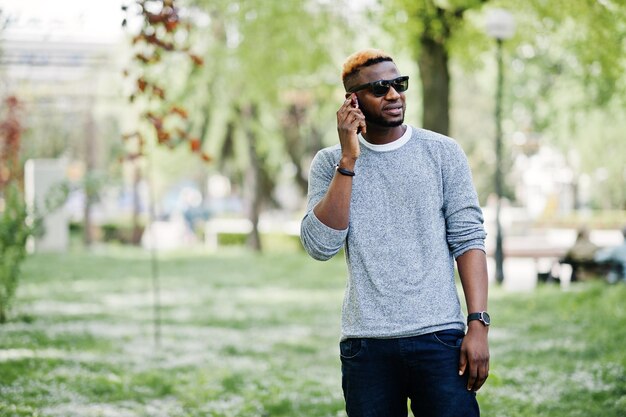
x,y
381,87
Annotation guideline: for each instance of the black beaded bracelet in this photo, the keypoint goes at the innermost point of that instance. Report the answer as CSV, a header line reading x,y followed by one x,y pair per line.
x,y
344,171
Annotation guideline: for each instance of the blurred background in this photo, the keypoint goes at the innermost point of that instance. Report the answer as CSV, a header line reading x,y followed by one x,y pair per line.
x,y
154,157
168,124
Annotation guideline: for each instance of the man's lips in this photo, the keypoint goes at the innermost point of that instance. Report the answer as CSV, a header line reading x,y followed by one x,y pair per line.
x,y
393,110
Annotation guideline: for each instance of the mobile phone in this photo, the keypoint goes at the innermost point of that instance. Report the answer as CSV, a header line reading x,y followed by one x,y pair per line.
x,y
355,104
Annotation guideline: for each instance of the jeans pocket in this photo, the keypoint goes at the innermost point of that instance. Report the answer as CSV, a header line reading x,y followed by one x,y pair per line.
x,y
350,348
449,338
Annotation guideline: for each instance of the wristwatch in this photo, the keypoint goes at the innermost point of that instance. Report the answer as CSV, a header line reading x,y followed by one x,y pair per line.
x,y
481,316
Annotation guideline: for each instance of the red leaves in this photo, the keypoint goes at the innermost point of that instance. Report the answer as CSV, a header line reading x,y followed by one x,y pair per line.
x,y
163,136
195,144
142,58
12,102
153,39
141,84
10,137
156,39
179,111
166,18
171,26
134,148
144,87
157,122
158,91
197,60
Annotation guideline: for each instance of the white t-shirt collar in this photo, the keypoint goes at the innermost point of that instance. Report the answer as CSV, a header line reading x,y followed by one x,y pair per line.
x,y
391,146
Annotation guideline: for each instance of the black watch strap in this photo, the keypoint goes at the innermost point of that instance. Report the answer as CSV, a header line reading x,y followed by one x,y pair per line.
x,y
481,316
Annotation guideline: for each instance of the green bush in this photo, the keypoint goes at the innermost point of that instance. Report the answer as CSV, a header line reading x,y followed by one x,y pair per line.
x,y
15,230
120,232
273,242
231,239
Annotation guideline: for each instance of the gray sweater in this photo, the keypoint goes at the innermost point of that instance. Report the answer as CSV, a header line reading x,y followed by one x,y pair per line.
x,y
413,210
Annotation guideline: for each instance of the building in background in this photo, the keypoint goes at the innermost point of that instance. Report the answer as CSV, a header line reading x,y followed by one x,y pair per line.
x,y
61,60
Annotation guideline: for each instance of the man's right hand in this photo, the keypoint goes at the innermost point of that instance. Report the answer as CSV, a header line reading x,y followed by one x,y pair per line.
x,y
334,208
350,120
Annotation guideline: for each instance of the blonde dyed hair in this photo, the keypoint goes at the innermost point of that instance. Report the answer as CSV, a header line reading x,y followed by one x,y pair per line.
x,y
360,59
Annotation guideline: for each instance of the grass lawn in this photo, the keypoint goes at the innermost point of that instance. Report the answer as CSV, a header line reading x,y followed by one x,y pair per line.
x,y
249,335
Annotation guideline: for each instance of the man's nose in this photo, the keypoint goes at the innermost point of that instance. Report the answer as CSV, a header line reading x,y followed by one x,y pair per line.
x,y
392,94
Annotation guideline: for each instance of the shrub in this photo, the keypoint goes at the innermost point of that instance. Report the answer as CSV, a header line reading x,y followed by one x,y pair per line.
x,y
121,232
15,229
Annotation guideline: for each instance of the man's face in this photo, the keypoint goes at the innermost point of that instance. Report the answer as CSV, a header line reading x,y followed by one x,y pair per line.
x,y
385,111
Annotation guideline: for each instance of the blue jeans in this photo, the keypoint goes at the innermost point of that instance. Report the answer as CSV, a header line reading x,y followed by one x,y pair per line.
x,y
380,375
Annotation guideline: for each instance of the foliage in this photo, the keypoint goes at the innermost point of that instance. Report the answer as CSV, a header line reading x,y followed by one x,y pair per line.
x,y
557,78
244,89
121,232
439,20
158,36
560,85
430,30
569,93
10,141
599,219
15,229
241,95
273,241
564,36
257,335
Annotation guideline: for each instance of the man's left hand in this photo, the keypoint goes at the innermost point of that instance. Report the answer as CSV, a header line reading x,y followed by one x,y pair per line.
x,y
475,356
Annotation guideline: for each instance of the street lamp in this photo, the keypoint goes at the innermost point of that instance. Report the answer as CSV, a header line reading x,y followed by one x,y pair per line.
x,y
500,25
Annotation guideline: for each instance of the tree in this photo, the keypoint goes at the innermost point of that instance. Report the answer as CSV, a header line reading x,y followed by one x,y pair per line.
x,y
15,228
430,28
569,93
438,30
164,118
556,44
256,54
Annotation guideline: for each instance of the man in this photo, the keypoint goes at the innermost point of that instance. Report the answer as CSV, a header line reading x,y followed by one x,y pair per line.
x,y
580,255
614,258
401,202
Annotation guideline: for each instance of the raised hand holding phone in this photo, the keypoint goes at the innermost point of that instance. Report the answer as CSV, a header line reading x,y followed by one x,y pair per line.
x,y
350,122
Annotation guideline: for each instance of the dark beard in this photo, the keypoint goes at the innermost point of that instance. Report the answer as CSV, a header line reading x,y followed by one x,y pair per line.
x,y
380,121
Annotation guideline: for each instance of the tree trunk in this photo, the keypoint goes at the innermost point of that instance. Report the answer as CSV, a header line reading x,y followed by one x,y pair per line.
x,y
253,186
292,121
90,163
435,77
137,229
88,223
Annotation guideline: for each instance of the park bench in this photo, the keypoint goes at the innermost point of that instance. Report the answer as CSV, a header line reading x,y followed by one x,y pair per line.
x,y
547,249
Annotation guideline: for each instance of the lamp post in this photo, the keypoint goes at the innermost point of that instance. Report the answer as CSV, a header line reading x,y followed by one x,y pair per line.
x,y
500,25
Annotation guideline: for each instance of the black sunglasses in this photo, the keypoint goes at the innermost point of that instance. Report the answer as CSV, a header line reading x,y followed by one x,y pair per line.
x,y
381,87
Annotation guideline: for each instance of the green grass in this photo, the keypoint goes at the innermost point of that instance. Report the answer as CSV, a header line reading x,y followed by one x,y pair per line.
x,y
249,335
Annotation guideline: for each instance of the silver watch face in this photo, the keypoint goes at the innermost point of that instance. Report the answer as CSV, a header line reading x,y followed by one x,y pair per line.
x,y
484,316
